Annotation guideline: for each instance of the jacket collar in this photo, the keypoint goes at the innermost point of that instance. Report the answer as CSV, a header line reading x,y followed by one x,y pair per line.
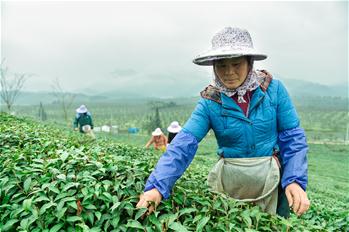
x,y
229,104
257,98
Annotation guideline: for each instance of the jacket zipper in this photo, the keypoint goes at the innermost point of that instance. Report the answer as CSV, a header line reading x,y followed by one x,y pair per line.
x,y
248,105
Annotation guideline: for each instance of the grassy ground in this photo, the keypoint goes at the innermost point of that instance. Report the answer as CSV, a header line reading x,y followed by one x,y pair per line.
x,y
329,172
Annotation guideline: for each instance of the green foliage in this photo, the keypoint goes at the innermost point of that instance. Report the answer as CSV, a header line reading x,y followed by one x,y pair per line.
x,y
323,118
153,121
60,181
157,120
42,113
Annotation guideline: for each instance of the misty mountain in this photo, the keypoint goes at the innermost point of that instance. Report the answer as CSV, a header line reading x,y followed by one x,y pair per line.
x,y
297,89
306,88
34,98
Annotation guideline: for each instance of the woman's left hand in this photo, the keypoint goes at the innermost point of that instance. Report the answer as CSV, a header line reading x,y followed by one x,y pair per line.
x,y
297,198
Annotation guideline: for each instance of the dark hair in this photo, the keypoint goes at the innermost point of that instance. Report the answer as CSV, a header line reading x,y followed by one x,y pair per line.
x,y
248,58
171,137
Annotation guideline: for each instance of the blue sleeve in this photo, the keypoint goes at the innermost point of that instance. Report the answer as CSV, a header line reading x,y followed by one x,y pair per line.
x,y
287,117
199,122
293,151
172,164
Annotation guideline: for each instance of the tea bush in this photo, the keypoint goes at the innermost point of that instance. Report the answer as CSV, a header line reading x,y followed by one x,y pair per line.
x,y
51,180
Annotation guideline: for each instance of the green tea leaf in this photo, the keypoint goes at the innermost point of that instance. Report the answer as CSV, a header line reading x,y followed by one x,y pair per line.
x,y
67,199
115,206
90,206
27,204
90,217
247,219
107,195
197,218
169,218
70,185
155,221
176,226
148,229
45,207
84,227
73,219
64,155
46,185
60,213
42,198
95,229
186,211
134,224
9,224
24,223
115,221
27,183
73,205
57,227
202,223
98,215
53,189
62,177
84,191
140,213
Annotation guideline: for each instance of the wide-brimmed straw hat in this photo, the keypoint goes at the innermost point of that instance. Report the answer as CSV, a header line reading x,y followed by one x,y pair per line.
x,y
157,132
174,127
82,109
229,43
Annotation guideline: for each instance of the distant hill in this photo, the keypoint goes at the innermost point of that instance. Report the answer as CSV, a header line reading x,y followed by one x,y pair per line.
x,y
306,88
295,88
298,89
34,98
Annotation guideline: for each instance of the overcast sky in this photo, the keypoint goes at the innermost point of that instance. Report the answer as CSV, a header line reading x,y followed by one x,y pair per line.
x,y
109,45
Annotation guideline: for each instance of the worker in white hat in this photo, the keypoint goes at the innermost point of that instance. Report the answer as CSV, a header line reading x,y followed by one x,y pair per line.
x,y
158,139
83,121
173,130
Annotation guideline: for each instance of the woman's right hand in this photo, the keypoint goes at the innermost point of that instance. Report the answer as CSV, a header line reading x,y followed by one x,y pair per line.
x,y
146,199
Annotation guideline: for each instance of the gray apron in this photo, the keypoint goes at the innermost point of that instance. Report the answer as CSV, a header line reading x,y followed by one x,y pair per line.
x,y
248,180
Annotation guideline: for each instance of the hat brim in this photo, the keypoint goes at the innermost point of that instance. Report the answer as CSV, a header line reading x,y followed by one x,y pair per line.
x,y
81,111
208,58
156,134
174,130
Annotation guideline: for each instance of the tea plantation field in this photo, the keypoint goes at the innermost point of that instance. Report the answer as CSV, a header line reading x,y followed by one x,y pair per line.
x,y
56,180
324,119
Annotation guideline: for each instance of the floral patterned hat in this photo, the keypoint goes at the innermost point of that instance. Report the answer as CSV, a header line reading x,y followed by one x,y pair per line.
x,y
229,43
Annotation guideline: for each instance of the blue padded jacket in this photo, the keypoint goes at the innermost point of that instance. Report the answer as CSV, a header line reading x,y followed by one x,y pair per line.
x,y
272,123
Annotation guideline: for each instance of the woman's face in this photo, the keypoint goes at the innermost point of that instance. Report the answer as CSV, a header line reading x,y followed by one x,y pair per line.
x,y
232,72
